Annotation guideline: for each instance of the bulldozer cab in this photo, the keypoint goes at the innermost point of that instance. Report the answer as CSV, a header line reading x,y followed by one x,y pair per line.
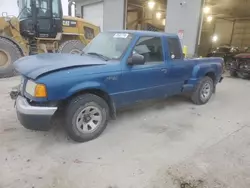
x,y
40,18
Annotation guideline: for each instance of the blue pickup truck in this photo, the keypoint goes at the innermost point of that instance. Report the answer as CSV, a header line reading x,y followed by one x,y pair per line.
x,y
117,69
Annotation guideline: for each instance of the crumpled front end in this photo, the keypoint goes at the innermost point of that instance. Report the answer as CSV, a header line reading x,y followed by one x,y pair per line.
x,y
32,115
241,65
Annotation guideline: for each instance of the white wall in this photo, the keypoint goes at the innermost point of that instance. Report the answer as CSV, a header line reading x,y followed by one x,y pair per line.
x,y
10,6
113,18
185,17
64,7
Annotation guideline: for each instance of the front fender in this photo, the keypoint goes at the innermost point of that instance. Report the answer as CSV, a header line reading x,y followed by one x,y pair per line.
x,y
85,86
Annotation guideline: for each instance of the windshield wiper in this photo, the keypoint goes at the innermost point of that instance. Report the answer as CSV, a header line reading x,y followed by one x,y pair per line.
x,y
99,55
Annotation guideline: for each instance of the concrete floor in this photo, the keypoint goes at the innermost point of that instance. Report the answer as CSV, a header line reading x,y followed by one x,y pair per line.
x,y
156,145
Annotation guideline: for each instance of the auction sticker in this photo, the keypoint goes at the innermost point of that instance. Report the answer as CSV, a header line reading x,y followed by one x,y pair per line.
x,y
121,35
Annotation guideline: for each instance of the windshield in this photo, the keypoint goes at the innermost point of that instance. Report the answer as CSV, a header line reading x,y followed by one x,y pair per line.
x,y
109,44
25,9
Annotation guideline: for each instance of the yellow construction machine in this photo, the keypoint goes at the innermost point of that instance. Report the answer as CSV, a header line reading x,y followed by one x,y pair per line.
x,y
41,28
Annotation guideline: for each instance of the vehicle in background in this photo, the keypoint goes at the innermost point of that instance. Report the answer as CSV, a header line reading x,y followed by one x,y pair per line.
x,y
41,28
117,69
226,52
240,65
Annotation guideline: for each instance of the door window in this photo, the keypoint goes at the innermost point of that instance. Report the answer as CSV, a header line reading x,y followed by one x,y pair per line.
x,y
174,48
43,8
56,8
150,48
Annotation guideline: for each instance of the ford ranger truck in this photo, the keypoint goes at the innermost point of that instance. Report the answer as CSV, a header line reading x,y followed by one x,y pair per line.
x,y
116,69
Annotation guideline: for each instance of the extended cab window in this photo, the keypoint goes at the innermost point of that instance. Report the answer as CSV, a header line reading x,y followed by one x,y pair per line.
x,y
150,48
89,33
174,48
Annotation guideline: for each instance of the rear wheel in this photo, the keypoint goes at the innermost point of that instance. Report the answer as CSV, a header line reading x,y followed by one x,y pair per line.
x,y
243,76
86,117
9,53
203,91
71,46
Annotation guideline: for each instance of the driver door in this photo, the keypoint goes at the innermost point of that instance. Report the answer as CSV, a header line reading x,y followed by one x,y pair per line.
x,y
147,81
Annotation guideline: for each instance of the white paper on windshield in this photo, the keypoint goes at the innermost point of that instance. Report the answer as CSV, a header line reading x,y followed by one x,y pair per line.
x,y
121,35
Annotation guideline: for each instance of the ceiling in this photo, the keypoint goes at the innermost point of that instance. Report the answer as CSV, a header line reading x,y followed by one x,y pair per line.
x,y
161,3
229,8
145,1
220,8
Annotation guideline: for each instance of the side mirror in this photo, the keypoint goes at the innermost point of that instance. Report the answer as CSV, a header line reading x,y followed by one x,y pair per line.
x,y
136,59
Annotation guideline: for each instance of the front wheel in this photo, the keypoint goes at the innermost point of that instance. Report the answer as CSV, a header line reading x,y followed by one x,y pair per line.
x,y
233,73
86,117
203,91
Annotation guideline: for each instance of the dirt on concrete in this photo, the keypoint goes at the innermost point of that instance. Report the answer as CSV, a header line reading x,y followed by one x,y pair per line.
x,y
170,143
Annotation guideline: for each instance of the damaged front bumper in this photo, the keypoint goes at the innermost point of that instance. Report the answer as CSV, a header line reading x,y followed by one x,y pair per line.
x,y
32,117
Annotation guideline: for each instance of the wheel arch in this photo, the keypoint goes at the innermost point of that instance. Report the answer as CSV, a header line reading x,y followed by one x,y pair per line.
x,y
98,92
212,75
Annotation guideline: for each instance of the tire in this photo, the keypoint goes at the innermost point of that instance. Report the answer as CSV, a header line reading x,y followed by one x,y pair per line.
x,y
198,96
243,76
9,53
85,128
71,46
233,73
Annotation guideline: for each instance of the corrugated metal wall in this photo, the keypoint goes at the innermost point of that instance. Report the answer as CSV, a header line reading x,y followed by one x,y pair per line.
x,y
234,33
241,34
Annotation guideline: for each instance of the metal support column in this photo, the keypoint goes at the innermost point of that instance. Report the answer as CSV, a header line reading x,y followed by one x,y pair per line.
x,y
185,16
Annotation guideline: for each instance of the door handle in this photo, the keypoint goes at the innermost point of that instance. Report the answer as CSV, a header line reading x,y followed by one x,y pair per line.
x,y
164,71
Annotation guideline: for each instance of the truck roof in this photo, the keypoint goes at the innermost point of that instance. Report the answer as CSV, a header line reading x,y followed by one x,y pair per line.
x,y
151,33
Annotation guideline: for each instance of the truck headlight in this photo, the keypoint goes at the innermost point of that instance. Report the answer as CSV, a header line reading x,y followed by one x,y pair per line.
x,y
36,90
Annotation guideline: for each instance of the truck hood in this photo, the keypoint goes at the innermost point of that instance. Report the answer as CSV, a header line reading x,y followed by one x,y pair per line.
x,y
38,65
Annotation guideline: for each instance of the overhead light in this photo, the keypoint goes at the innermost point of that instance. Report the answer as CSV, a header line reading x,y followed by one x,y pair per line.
x,y
206,10
164,22
209,18
158,15
215,38
151,4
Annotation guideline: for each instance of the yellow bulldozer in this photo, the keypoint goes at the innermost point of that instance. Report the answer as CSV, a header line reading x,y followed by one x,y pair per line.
x,y
41,28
